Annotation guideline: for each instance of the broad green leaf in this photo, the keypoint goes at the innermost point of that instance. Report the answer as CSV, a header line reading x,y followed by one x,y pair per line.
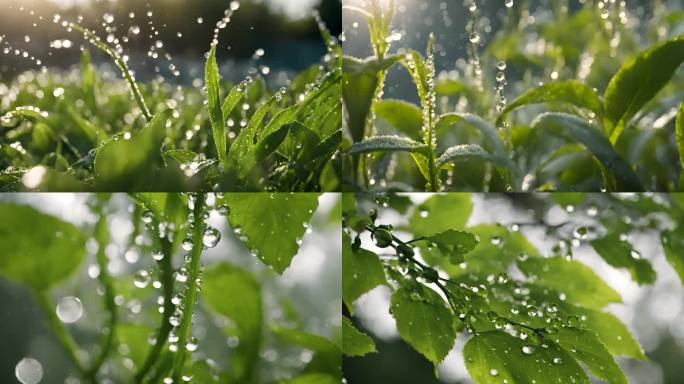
x,y
121,162
579,282
245,310
327,355
440,213
361,79
575,129
673,245
37,249
450,87
638,81
621,254
387,143
496,357
424,321
271,225
464,152
355,342
584,346
361,271
452,244
572,92
497,249
612,332
402,115
679,133
489,132
212,80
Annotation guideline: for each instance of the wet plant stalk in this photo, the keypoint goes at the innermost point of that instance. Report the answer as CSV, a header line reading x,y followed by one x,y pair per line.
x,y
106,281
166,272
191,289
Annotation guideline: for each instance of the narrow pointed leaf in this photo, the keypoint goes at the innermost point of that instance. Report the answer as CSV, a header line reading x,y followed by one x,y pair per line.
x,y
212,80
464,152
387,143
679,133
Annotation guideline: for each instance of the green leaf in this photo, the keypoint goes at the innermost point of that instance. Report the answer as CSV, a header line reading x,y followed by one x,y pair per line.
x,y
440,213
679,133
121,162
327,355
495,357
584,346
488,131
452,244
37,249
464,152
621,254
497,249
402,115
135,338
262,150
673,245
575,129
386,143
212,80
355,342
244,309
361,79
271,224
25,112
231,101
244,143
572,92
612,332
424,321
638,81
361,271
579,282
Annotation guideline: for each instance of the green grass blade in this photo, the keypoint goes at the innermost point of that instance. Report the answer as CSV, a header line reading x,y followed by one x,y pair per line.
x,y
386,143
679,133
212,80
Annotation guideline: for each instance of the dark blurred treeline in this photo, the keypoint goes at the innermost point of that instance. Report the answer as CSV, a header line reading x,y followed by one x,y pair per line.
x,y
255,25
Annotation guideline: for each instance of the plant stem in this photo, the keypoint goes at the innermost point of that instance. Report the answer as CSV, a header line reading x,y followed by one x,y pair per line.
x,y
191,290
166,271
60,330
106,281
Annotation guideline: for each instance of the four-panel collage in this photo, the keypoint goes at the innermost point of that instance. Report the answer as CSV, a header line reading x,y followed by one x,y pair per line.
x,y
341,191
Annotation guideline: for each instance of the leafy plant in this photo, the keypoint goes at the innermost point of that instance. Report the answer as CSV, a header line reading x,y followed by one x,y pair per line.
x,y
590,128
223,300
79,131
529,317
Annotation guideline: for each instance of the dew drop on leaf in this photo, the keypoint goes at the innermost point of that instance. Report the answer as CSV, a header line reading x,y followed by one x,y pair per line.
x,y
142,279
187,244
147,217
528,350
494,372
557,360
191,344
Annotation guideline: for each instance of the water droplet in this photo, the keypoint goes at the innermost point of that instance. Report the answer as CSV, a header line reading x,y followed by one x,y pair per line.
x,y
508,3
494,372
191,345
474,37
142,279
29,371
557,360
528,350
187,244
147,217
182,275
69,309
635,254
415,296
211,237
158,255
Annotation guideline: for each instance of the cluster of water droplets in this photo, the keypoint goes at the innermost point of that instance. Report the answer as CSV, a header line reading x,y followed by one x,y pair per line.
x,y
475,40
8,49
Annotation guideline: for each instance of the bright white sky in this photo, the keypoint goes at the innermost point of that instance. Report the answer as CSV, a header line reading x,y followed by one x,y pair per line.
x,y
294,8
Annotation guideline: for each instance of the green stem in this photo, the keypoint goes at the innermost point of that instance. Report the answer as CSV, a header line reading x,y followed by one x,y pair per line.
x,y
166,271
191,291
94,39
60,330
106,281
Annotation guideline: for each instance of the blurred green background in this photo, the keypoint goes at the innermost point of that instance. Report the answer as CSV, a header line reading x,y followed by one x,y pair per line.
x,y
284,29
